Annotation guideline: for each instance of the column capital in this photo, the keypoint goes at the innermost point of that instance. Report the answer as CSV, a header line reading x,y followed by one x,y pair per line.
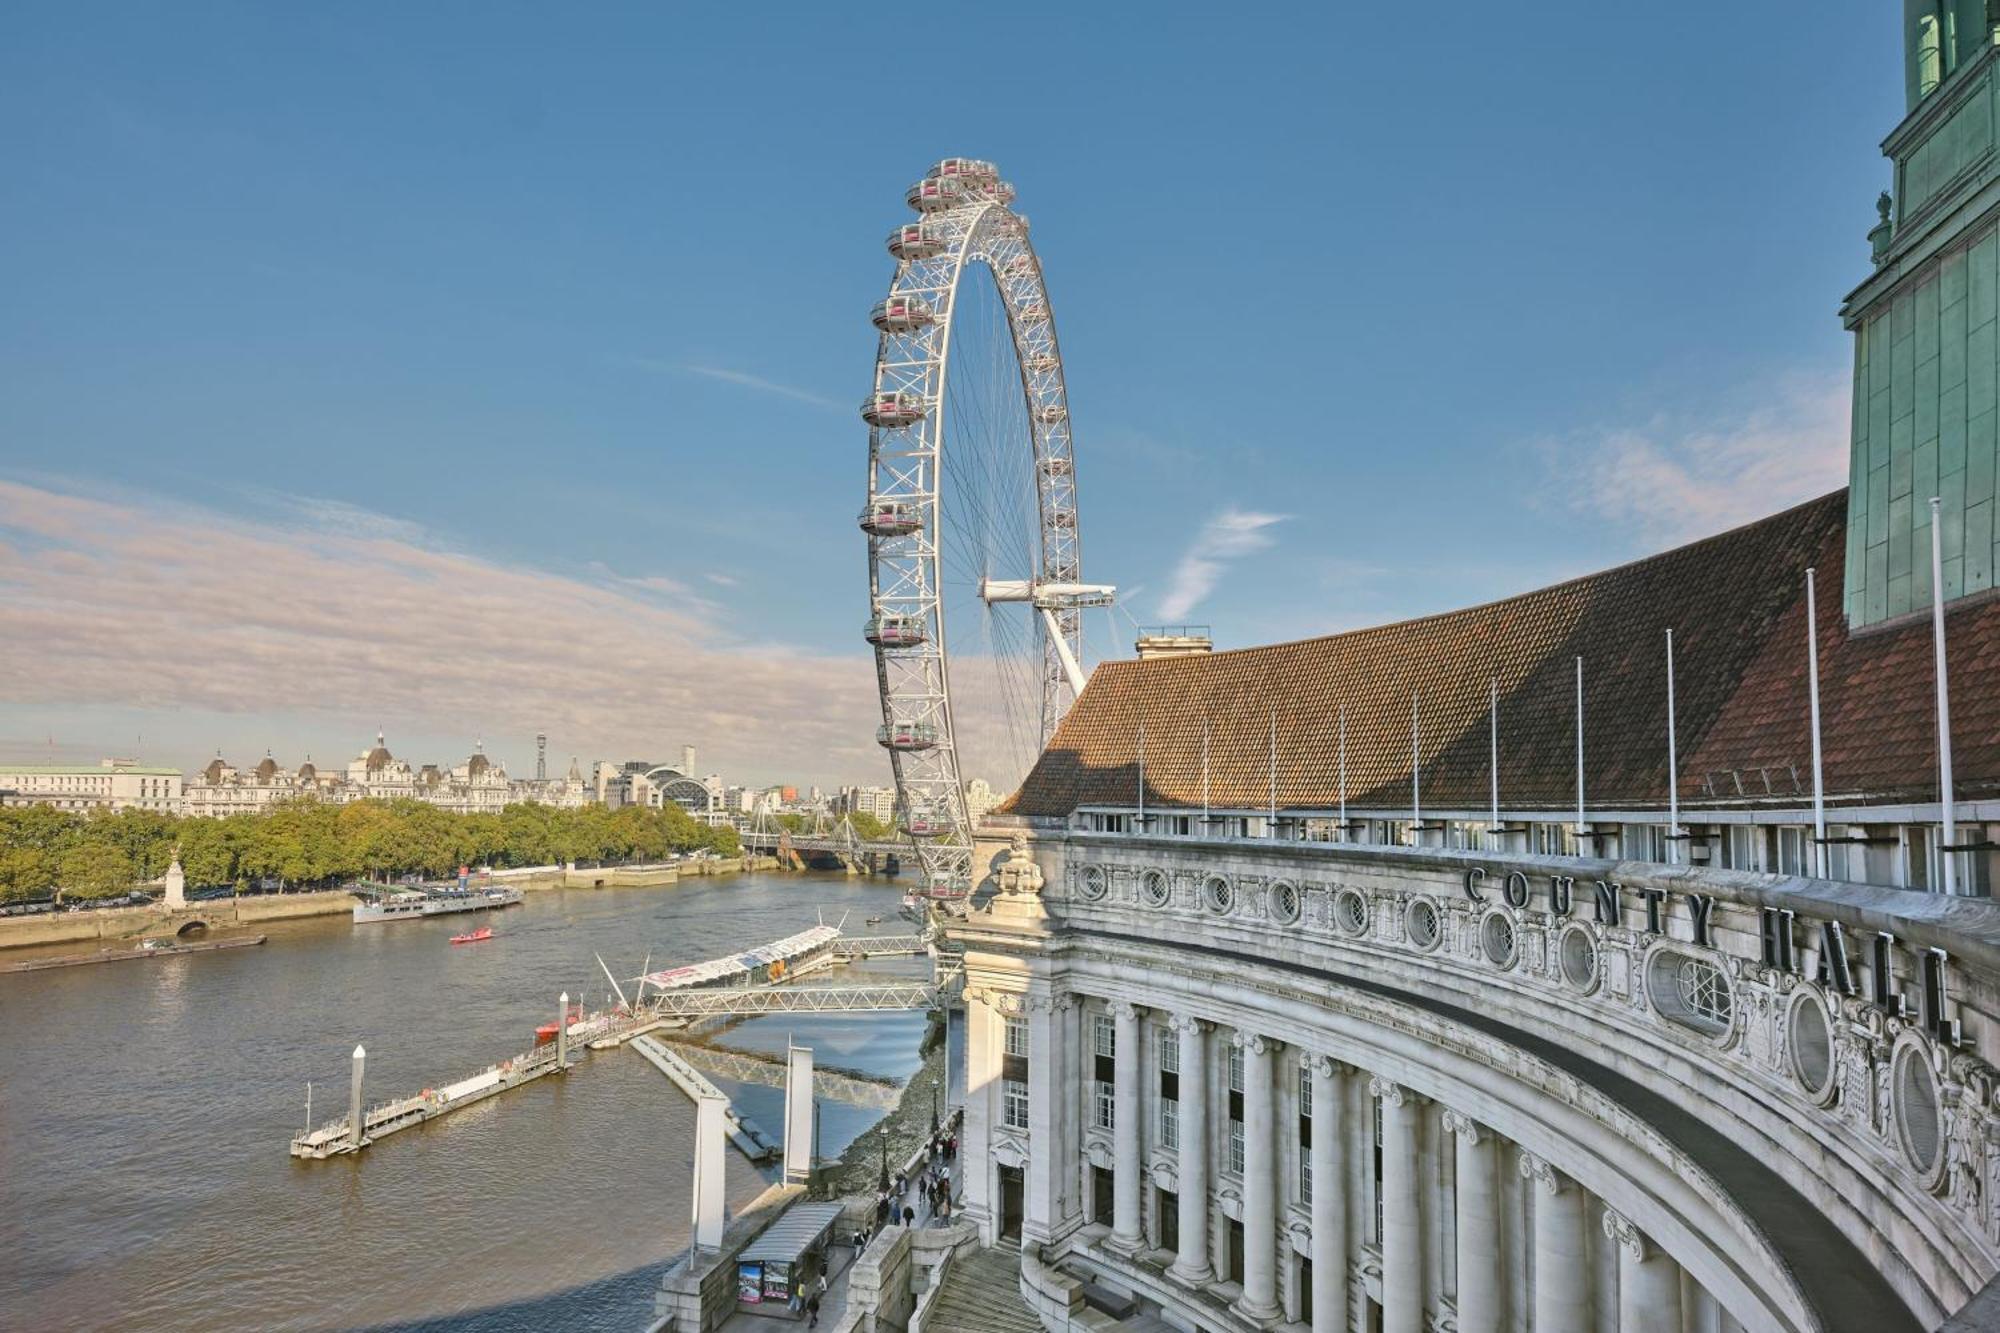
x,y
1123,1011
1325,1066
1393,1094
1465,1126
1540,1172
1622,1232
1254,1044
1187,1023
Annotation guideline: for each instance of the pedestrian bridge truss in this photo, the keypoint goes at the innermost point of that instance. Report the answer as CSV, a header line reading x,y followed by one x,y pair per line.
x,y
797,999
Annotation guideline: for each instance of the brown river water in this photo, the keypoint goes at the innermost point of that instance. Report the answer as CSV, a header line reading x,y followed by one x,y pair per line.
x,y
145,1109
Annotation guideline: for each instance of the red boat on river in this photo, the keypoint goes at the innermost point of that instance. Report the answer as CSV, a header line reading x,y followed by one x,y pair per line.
x,y
476,937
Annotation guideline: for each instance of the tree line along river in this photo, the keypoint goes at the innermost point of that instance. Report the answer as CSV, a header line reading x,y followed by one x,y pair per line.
x,y
145,1107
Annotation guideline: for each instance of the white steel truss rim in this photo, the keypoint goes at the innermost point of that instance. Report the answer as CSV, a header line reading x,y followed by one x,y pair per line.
x,y
947,860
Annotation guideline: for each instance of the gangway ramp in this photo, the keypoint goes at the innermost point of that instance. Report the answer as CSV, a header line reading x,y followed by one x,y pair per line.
x,y
769,1072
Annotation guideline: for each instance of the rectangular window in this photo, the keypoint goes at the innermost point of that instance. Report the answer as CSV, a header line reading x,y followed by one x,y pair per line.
x,y
1105,1034
1017,1036
1793,858
1236,1109
1170,1123
1102,1113
1170,1051
1305,1132
1376,1104
1014,1103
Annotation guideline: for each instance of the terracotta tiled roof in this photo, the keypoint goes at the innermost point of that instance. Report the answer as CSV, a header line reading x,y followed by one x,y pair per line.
x,y
1736,604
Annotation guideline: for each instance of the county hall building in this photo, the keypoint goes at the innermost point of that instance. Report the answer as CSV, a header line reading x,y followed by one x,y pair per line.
x,y
1513,969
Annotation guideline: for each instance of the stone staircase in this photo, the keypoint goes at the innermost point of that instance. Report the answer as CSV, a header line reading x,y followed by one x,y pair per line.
x,y
982,1294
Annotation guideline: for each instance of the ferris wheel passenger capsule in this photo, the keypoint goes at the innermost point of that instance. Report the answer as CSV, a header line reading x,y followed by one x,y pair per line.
x,y
936,195
891,518
1038,363
926,825
893,631
1058,465
1032,314
907,736
900,314
916,240
1004,191
1053,414
893,410
970,168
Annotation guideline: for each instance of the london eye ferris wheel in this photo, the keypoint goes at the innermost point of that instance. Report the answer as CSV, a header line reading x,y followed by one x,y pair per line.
x,y
974,554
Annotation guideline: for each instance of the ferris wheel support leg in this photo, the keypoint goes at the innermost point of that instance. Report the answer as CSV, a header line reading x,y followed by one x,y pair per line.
x,y
1069,662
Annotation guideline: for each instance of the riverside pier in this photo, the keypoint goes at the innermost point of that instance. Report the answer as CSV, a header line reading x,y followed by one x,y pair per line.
x,y
670,1007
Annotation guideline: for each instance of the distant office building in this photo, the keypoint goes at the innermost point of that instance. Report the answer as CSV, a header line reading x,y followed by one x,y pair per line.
x,y
110,784
979,798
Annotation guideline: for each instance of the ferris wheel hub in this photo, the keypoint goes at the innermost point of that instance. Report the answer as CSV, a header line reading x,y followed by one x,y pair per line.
x,y
1047,596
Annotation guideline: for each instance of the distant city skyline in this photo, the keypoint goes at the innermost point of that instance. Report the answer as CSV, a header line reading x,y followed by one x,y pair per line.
x,y
353,373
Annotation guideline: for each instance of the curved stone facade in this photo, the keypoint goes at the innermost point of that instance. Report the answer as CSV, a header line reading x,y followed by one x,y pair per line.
x,y
1458,1090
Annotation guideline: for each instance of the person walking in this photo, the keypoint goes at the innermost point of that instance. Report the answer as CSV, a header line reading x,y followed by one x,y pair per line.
x,y
909,1216
813,1306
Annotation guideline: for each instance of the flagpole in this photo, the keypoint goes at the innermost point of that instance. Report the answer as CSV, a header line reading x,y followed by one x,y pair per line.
x,y
1493,758
1416,792
1271,750
1673,765
1819,779
1204,777
1945,790
1579,756
1142,777
1344,832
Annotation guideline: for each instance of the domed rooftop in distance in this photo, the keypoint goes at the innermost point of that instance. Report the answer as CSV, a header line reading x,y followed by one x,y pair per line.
x,y
267,768
212,773
478,765
379,758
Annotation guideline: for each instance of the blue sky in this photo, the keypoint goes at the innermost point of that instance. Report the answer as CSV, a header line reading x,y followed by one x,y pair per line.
x,y
1385,317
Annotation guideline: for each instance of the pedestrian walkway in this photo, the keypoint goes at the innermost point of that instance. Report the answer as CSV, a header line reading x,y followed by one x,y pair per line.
x,y
982,1294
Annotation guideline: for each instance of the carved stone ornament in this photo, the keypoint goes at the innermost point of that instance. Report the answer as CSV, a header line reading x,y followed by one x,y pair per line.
x,y
1540,1172
1620,1231
1463,1125
1019,876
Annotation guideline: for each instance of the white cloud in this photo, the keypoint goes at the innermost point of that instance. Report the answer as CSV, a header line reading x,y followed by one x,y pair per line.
x,y
120,604
1230,535
1672,480
744,379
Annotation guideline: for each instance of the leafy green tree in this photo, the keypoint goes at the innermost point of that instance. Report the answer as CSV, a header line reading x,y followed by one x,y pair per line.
x,y
26,872
867,827
96,870
209,851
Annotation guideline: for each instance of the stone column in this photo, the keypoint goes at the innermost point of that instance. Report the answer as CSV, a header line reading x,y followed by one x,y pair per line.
x,y
1191,1265
983,1037
1041,1185
1562,1277
1649,1283
1260,1182
1402,1221
1329,1202
1478,1219
1126,1115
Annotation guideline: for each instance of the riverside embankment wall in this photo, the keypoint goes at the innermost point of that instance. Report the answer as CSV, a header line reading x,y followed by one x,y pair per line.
x,y
128,923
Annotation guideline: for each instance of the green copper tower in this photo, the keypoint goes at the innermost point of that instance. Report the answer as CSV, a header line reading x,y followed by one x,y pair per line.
x,y
1927,327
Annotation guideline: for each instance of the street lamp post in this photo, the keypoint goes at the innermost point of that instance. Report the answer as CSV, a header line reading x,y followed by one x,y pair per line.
x,y
882,1180
934,1106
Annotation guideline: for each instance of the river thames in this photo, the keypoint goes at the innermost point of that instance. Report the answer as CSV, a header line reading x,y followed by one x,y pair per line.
x,y
145,1109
